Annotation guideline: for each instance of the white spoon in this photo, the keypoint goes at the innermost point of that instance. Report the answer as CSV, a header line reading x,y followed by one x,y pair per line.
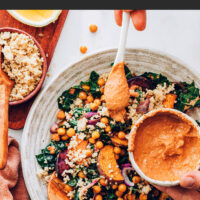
x,y
123,38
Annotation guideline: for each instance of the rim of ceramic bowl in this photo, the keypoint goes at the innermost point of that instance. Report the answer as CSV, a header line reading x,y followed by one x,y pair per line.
x,y
150,114
44,66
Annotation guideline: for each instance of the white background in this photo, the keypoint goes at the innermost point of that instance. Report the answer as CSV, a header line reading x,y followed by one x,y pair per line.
x,y
174,32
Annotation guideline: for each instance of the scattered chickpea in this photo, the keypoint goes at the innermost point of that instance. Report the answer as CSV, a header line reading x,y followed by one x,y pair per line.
x,y
119,198
93,28
86,87
90,99
96,189
116,156
93,106
143,197
55,137
83,49
130,196
89,153
72,90
121,135
97,102
81,175
102,90
51,149
101,82
98,197
117,150
61,115
99,145
64,137
114,187
104,120
108,128
70,132
82,95
118,193
136,179
68,188
103,98
122,187
61,131
95,135
91,140
103,182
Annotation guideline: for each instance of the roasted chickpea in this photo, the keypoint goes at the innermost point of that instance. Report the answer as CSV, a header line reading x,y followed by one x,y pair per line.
x,y
136,179
55,137
86,87
102,90
108,129
70,132
114,187
96,189
93,106
68,188
122,187
98,197
97,102
116,156
117,150
143,197
95,135
64,137
61,115
103,182
101,82
91,140
82,95
90,99
118,193
93,28
61,131
72,90
99,145
103,98
119,198
129,197
81,175
104,120
121,135
51,149
83,49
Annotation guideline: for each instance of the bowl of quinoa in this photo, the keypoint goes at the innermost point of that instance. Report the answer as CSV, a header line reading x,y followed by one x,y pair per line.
x,y
24,62
79,146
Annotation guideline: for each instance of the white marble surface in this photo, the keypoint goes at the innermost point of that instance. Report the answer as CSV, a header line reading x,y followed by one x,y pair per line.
x,y
174,32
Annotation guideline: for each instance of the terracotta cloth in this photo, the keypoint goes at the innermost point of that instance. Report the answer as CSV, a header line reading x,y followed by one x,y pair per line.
x,y
12,186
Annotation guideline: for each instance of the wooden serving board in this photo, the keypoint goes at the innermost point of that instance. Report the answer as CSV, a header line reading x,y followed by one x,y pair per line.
x,y
47,37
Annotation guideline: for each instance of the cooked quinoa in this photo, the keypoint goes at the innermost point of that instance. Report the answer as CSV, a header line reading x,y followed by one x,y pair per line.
x,y
22,62
83,125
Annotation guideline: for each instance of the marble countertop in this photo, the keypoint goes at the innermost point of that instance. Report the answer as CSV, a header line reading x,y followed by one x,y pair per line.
x,y
176,32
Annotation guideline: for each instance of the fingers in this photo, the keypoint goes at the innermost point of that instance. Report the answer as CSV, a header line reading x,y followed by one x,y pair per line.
x,y
139,19
118,17
191,180
178,193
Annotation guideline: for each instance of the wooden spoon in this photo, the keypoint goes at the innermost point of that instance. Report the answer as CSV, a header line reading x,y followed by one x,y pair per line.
x,y
6,86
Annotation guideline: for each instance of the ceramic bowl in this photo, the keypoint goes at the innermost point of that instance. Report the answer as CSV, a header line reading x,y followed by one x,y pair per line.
x,y
36,133
138,124
44,67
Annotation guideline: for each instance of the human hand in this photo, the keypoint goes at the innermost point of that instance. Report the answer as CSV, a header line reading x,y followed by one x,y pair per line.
x,y
138,18
189,184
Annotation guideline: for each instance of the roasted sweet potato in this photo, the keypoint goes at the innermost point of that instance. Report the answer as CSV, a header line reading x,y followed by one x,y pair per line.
x,y
169,101
119,142
107,165
55,187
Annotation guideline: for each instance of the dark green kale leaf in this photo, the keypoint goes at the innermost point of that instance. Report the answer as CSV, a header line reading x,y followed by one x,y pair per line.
x,y
127,72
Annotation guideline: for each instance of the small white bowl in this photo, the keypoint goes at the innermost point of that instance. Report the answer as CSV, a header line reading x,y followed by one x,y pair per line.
x,y
134,129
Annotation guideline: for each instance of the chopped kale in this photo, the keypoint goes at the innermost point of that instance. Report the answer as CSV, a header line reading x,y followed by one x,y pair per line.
x,y
76,197
128,72
72,182
198,122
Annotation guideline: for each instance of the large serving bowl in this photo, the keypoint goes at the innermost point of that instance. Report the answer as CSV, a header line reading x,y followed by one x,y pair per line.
x,y
36,133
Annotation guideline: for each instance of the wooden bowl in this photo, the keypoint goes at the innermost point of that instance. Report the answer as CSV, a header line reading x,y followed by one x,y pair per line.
x,y
44,67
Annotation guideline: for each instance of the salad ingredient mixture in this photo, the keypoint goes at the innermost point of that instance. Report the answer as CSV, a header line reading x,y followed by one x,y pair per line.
x,y
88,149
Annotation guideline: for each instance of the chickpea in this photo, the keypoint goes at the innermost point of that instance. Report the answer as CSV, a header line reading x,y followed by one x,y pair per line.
x,y
82,95
116,156
122,187
102,90
96,189
83,49
89,153
101,82
143,197
114,187
68,188
95,135
104,120
103,182
93,28
108,128
70,132
117,150
61,115
86,87
99,145
64,137
91,140
97,102
103,98
55,137
72,90
93,106
90,99
61,131
136,179
118,193
119,198
51,149
121,135
98,197
130,197
81,175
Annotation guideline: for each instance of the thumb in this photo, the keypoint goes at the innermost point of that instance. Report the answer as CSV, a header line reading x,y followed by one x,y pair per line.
x,y
191,180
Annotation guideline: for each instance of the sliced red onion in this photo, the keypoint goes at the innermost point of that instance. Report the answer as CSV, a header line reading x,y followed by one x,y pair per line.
x,y
85,189
143,107
93,121
61,166
54,128
126,179
90,114
125,165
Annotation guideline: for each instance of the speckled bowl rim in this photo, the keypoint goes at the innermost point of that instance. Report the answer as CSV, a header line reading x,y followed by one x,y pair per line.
x,y
44,65
133,132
